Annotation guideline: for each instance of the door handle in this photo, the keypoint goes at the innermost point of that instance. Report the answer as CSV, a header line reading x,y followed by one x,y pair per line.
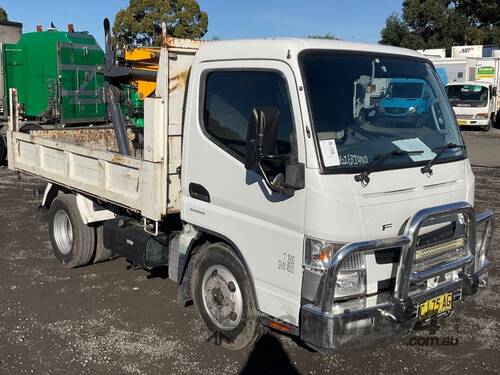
x,y
199,192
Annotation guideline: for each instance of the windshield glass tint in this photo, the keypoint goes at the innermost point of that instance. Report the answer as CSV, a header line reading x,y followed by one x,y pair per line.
x,y
364,105
467,95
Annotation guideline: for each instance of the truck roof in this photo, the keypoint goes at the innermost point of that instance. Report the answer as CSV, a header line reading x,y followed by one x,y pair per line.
x,y
278,48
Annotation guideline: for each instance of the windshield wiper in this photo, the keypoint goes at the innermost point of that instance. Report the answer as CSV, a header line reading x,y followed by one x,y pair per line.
x,y
364,176
441,150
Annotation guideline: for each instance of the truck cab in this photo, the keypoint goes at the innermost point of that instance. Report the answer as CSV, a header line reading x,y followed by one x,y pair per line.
x,y
299,206
474,103
328,208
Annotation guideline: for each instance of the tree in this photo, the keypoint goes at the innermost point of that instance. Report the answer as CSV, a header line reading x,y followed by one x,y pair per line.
x,y
141,22
443,23
325,36
3,15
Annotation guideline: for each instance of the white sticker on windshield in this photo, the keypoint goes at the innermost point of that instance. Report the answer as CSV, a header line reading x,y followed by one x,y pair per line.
x,y
329,152
415,144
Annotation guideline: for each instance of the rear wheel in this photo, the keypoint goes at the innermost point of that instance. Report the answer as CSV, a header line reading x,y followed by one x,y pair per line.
x,y
73,242
224,298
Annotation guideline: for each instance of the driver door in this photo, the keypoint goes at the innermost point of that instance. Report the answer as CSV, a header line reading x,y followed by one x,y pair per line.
x,y
266,228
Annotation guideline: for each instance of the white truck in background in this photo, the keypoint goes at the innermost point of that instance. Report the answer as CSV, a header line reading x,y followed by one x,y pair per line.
x,y
456,69
476,102
272,198
471,82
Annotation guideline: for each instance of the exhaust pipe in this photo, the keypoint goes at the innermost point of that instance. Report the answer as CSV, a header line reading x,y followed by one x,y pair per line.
x,y
112,92
116,115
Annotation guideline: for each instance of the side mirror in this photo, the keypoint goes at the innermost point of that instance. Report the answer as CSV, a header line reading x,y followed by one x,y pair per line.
x,y
261,136
261,145
295,175
494,91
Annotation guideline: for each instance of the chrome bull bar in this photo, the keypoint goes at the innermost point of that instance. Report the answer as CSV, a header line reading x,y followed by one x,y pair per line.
x,y
325,297
326,327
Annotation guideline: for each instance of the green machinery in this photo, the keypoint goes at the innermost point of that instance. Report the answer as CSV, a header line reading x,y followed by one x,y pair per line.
x,y
132,105
60,79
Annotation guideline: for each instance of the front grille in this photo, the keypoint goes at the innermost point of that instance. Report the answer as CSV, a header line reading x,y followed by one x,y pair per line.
x,y
396,110
437,236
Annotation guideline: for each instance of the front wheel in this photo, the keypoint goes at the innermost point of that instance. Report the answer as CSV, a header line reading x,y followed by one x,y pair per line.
x,y
224,298
73,242
487,128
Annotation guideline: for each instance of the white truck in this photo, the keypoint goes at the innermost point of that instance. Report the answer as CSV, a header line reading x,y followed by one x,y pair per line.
x,y
474,103
272,201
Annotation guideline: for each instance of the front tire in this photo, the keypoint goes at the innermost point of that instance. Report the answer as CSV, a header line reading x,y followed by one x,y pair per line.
x,y
488,127
73,242
224,297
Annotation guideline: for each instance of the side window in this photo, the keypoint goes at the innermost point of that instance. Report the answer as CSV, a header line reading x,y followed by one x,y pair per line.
x,y
230,97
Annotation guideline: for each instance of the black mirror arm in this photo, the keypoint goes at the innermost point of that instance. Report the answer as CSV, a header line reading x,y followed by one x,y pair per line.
x,y
283,191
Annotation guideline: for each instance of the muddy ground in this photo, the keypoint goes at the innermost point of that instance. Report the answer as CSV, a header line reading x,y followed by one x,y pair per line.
x,y
106,319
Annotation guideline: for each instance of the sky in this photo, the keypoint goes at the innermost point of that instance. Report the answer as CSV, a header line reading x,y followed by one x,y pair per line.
x,y
353,20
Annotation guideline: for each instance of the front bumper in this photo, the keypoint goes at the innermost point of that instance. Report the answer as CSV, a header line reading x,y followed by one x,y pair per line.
x,y
330,325
472,122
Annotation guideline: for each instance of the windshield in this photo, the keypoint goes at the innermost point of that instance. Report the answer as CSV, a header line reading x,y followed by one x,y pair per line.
x,y
365,105
410,90
467,95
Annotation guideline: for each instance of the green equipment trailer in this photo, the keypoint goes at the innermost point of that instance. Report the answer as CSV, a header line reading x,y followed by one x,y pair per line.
x,y
59,77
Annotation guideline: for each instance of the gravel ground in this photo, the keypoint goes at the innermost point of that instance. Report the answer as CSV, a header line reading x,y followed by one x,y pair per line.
x,y
106,319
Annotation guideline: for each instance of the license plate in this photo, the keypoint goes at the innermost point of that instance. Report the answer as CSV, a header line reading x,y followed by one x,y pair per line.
x,y
435,306
462,122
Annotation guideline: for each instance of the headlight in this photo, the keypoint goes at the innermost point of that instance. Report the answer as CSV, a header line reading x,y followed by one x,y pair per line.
x,y
319,253
351,279
481,115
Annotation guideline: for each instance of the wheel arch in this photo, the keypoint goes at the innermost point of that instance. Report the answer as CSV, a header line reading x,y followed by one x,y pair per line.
x,y
85,205
51,193
209,236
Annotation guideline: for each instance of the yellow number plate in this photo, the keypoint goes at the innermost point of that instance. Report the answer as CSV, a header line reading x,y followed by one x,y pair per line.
x,y
462,122
435,306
